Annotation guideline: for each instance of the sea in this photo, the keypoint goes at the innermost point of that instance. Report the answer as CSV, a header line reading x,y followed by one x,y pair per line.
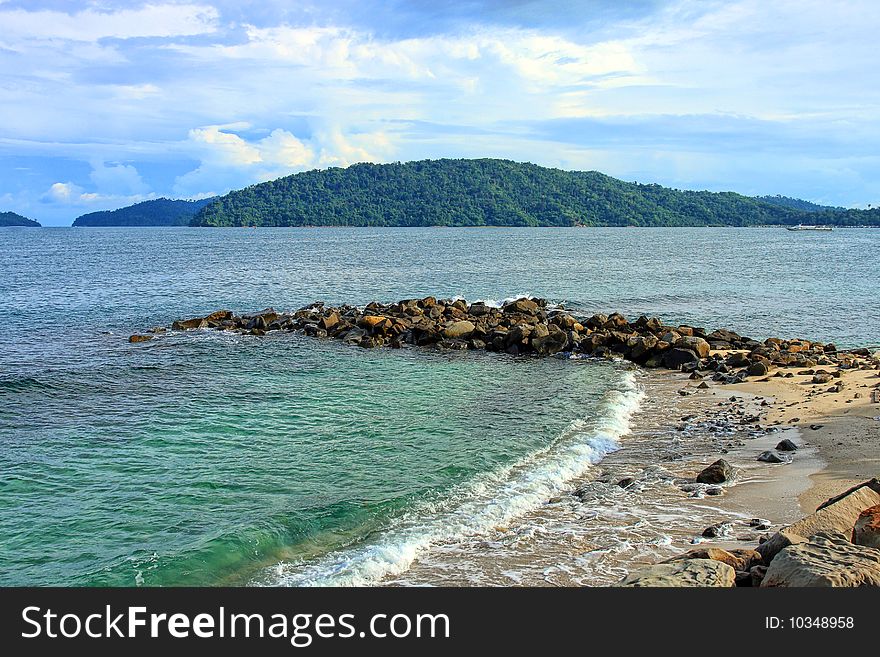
x,y
207,458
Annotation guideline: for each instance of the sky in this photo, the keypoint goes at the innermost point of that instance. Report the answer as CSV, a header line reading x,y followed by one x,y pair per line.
x,y
108,103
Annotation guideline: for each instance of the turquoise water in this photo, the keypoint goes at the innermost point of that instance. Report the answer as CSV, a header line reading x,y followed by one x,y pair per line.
x,y
205,458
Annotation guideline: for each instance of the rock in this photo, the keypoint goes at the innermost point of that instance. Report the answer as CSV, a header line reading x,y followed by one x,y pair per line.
x,y
459,329
524,306
555,341
479,309
778,542
626,482
758,368
827,560
736,360
188,324
771,456
697,345
737,562
684,573
871,484
703,386
717,530
822,377
867,529
757,574
140,338
717,473
329,322
786,446
374,323
675,358
839,516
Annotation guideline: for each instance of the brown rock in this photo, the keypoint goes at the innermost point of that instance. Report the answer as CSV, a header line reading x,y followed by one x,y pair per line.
x,y
867,529
460,329
698,345
715,554
717,473
140,338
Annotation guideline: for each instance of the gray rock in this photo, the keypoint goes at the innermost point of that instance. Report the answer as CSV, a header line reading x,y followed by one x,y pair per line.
x,y
771,456
827,560
786,446
778,542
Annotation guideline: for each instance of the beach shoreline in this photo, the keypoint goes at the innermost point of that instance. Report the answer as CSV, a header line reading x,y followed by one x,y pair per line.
x,y
786,418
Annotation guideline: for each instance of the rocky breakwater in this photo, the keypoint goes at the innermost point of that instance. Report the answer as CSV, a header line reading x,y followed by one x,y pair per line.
x,y
532,326
836,546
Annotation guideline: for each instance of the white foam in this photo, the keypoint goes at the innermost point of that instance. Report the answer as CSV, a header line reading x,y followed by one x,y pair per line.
x,y
490,501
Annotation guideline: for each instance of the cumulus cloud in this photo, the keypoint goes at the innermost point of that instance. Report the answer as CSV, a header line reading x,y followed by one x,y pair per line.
x,y
228,160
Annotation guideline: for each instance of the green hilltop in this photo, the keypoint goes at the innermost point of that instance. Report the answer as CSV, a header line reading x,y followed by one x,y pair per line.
x,y
12,219
158,212
493,192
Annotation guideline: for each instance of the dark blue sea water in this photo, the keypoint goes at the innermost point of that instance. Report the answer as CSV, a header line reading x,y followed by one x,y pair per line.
x,y
205,458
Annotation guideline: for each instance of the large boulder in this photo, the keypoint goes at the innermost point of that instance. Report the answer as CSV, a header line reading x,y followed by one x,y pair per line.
x,y
457,330
828,559
840,516
698,345
683,573
867,529
717,473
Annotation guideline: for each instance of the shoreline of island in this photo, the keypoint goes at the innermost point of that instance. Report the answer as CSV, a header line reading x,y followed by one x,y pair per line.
x,y
827,398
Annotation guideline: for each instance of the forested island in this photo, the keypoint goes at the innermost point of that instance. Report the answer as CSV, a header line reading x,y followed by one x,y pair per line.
x,y
492,192
13,219
158,212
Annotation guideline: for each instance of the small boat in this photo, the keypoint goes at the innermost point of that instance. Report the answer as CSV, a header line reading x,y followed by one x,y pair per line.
x,y
801,227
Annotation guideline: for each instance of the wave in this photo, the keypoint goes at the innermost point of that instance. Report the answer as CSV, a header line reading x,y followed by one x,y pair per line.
x,y
23,383
489,501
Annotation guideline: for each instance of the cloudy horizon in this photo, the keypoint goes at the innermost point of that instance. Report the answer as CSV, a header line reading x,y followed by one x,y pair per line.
x,y
110,103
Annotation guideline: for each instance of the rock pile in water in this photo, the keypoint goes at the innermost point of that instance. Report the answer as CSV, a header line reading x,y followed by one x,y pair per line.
x,y
532,326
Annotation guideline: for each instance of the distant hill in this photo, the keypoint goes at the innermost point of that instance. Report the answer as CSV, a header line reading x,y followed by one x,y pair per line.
x,y
485,192
159,212
12,219
795,203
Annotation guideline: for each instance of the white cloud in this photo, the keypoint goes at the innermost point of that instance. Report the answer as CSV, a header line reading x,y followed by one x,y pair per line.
x,y
151,20
117,179
228,160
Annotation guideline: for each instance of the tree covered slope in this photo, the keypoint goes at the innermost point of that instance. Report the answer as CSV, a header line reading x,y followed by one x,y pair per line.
x,y
484,192
159,212
12,219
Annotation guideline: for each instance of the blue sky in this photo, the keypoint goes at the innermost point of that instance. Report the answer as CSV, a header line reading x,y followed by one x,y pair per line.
x,y
107,103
